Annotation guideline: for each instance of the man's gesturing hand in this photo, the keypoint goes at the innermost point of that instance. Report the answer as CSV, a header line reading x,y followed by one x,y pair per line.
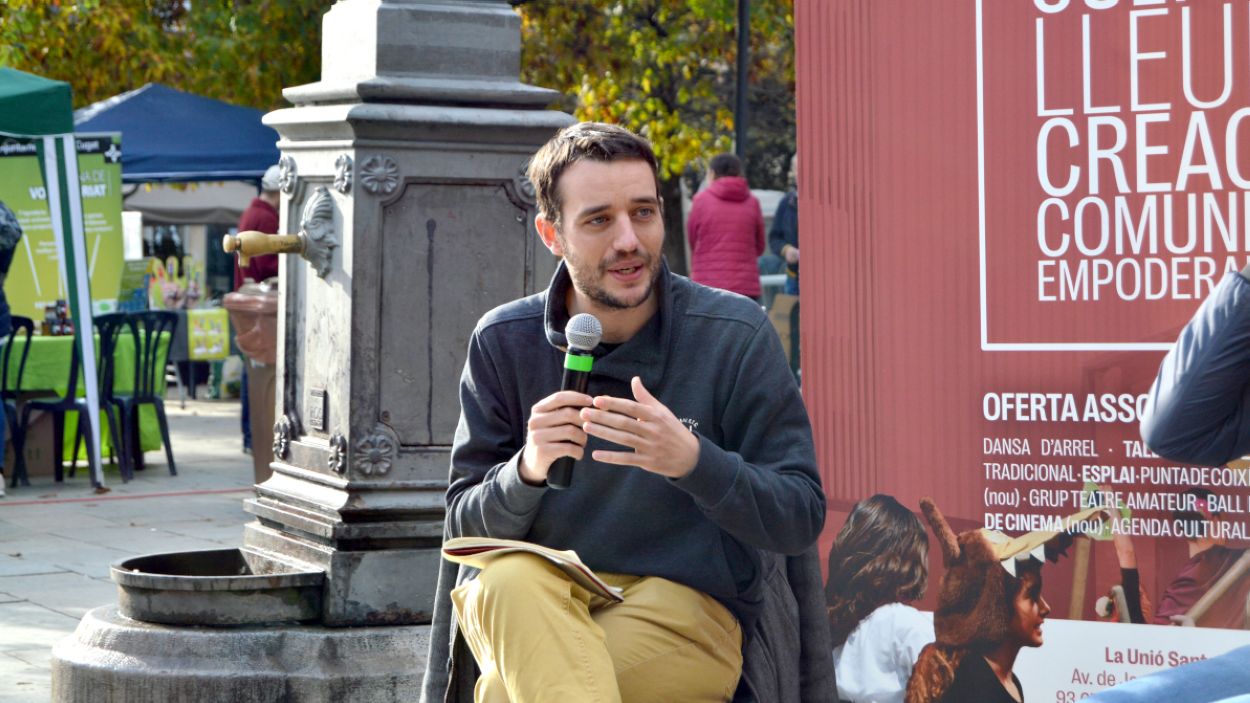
x,y
554,430
660,442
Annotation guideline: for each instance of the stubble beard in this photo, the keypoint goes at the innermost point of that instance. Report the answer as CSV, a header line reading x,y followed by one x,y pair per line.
x,y
586,283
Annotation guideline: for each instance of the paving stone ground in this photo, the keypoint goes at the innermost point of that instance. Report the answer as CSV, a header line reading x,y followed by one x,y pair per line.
x,y
57,540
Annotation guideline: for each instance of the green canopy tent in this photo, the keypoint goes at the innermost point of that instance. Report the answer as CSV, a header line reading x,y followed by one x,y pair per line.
x,y
39,111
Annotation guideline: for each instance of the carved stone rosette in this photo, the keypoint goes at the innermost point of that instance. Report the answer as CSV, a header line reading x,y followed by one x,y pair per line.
x,y
317,226
337,460
286,174
283,429
375,453
524,186
380,175
343,174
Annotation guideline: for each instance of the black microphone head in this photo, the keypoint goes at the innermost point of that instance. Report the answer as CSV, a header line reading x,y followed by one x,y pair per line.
x,y
583,332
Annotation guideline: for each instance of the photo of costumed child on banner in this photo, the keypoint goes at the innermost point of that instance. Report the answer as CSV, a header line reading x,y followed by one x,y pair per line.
x,y
990,606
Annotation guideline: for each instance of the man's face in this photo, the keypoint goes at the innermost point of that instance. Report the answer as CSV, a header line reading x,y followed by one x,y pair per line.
x,y
611,232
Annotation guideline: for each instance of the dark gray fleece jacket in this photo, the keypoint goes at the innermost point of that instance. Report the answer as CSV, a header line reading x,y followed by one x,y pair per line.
x,y
714,360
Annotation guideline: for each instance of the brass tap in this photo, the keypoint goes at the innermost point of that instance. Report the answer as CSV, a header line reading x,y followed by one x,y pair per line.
x,y
252,243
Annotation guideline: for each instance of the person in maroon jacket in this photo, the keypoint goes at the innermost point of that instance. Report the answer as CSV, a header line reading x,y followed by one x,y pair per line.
x,y
261,215
726,231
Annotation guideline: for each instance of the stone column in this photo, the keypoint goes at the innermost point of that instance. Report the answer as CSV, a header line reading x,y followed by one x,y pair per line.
x,y
404,165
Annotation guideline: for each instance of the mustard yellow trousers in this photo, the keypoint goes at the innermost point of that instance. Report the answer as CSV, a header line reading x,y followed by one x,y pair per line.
x,y
538,636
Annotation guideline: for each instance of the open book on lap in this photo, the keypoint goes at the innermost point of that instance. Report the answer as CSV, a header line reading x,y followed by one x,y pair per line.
x,y
477,551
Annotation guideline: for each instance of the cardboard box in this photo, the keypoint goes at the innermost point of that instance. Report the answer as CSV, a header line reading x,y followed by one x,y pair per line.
x,y
37,448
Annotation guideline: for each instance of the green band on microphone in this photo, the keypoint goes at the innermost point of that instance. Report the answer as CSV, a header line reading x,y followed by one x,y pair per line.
x,y
578,362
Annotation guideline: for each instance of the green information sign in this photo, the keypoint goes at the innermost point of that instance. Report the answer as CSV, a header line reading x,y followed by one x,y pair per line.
x,y
34,280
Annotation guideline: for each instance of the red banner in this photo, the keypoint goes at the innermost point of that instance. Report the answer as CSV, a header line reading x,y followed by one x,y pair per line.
x,y
1008,210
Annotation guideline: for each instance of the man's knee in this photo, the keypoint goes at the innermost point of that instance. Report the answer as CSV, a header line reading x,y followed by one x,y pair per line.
x,y
519,573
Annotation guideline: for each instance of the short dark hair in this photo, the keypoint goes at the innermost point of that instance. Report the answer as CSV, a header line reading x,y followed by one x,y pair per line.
x,y
725,165
595,141
1193,519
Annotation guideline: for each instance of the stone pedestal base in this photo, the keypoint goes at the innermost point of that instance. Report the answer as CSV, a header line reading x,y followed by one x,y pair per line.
x,y
115,659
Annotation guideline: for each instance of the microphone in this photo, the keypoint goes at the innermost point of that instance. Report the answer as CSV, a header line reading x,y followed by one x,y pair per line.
x,y
582,332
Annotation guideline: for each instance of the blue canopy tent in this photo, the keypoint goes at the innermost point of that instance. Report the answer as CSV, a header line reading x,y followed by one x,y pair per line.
x,y
172,136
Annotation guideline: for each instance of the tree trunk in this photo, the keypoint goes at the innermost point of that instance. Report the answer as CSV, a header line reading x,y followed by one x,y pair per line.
x,y
674,227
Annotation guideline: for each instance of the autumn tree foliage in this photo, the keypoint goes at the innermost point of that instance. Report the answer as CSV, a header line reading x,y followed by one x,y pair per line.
x,y
666,69
240,51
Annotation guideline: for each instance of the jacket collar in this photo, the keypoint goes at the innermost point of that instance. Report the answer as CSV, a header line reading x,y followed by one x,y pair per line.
x,y
646,353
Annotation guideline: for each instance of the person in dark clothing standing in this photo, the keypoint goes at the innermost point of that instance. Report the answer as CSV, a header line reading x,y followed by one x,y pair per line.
x,y
261,215
10,233
694,454
726,231
783,236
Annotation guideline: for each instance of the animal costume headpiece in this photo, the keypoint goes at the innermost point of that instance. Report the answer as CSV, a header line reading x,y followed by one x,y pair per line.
x,y
974,602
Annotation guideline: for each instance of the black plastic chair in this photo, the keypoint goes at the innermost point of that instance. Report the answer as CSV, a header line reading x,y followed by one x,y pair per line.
x,y
10,387
147,328
70,402
109,327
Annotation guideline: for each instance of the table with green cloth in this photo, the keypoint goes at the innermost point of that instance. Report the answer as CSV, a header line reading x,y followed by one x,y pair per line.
x,y
47,371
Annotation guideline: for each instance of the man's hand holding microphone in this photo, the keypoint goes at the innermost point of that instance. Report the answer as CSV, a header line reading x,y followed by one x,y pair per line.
x,y
560,424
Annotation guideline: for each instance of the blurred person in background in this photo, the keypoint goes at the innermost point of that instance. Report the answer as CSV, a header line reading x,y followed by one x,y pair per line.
x,y
783,237
10,233
261,215
726,231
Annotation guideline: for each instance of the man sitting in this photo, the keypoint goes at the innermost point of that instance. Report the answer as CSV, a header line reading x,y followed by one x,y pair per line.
x,y
695,464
